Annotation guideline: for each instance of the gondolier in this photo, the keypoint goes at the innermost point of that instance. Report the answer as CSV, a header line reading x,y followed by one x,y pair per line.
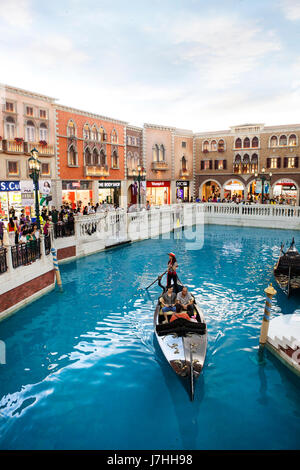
x,y
172,275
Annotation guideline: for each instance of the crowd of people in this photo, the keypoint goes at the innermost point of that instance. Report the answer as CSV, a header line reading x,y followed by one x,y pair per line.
x,y
251,199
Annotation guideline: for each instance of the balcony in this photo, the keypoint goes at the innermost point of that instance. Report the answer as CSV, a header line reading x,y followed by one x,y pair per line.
x,y
159,166
184,173
96,170
12,146
42,149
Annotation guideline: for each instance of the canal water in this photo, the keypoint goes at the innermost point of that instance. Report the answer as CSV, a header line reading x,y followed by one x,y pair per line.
x,y
83,370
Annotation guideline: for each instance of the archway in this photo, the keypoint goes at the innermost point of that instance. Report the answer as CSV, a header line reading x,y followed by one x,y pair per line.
x,y
286,191
233,188
209,189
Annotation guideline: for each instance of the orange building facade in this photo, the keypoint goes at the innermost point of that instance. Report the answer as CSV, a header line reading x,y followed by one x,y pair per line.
x,y
90,158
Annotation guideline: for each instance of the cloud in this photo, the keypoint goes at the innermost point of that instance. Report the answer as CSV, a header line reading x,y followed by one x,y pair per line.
x,y
220,49
55,50
16,13
291,9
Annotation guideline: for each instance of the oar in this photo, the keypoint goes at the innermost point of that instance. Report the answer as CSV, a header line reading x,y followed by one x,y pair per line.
x,y
156,279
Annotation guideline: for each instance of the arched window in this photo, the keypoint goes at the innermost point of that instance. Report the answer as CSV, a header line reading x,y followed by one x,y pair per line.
x,y
246,164
10,128
130,161
255,142
246,143
71,129
274,141
102,158
95,157
94,133
114,136
102,134
221,145
162,153
88,156
283,140
183,163
238,143
155,153
43,132
30,131
292,140
237,164
115,159
206,145
86,132
254,163
72,156
136,159
213,145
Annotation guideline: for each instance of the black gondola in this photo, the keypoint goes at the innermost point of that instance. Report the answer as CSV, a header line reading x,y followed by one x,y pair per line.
x,y
287,269
183,343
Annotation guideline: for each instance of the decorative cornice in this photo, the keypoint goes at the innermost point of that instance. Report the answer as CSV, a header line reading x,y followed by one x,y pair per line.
x,y
30,94
159,127
91,115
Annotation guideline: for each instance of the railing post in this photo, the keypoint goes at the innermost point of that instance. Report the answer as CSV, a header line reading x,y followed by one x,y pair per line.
x,y
42,246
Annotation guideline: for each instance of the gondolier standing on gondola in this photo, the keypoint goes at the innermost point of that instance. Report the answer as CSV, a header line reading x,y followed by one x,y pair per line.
x,y
172,267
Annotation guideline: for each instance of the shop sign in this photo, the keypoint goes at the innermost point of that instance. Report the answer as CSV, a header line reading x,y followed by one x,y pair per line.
x,y
27,193
9,186
182,184
109,184
158,184
289,187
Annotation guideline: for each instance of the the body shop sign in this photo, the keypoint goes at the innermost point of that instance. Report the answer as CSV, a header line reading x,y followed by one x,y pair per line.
x,y
9,186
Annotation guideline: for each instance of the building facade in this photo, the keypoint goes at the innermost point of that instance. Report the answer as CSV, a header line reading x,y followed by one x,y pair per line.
x,y
238,161
134,162
27,121
90,158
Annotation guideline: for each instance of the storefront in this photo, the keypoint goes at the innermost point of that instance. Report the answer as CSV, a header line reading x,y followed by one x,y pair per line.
x,y
109,192
210,189
158,192
10,196
20,195
286,191
77,193
233,189
183,190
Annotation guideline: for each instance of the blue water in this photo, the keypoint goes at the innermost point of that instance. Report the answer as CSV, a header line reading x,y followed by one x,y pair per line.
x,y
83,370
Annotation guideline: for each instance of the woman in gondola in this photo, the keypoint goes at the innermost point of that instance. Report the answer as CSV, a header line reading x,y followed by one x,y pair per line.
x,y
172,276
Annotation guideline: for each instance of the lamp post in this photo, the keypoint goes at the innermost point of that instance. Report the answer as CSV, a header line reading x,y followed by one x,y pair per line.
x,y
263,177
34,167
140,177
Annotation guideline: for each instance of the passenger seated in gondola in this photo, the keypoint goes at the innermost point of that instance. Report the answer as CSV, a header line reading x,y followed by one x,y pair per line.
x,y
186,301
180,313
168,301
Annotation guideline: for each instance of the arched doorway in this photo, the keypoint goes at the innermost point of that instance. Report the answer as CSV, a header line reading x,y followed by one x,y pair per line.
x,y
286,191
132,193
233,189
210,189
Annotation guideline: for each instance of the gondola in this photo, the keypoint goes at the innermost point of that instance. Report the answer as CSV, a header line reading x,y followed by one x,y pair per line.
x,y
287,269
183,344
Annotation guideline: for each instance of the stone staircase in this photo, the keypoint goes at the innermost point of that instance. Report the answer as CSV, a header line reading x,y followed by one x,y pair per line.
x,y
288,346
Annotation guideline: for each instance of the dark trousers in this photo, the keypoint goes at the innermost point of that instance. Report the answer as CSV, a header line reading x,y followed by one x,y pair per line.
x,y
170,277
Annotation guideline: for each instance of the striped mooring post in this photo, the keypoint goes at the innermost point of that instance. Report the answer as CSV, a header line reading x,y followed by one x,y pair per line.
x,y
55,264
270,292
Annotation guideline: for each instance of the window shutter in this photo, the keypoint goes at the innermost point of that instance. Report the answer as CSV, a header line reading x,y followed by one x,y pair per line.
x,y
268,162
210,164
224,164
278,162
285,162
296,162
202,165
216,164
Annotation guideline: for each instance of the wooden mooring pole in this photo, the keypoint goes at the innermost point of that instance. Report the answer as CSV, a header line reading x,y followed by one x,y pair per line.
x,y
270,292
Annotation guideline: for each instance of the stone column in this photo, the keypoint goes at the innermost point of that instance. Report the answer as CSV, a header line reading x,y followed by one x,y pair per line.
x,y
95,189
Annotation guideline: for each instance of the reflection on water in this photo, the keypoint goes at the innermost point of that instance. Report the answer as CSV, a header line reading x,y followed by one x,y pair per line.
x,y
86,359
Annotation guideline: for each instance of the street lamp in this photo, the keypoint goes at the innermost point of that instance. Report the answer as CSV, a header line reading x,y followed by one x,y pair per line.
x,y
140,177
34,168
263,177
